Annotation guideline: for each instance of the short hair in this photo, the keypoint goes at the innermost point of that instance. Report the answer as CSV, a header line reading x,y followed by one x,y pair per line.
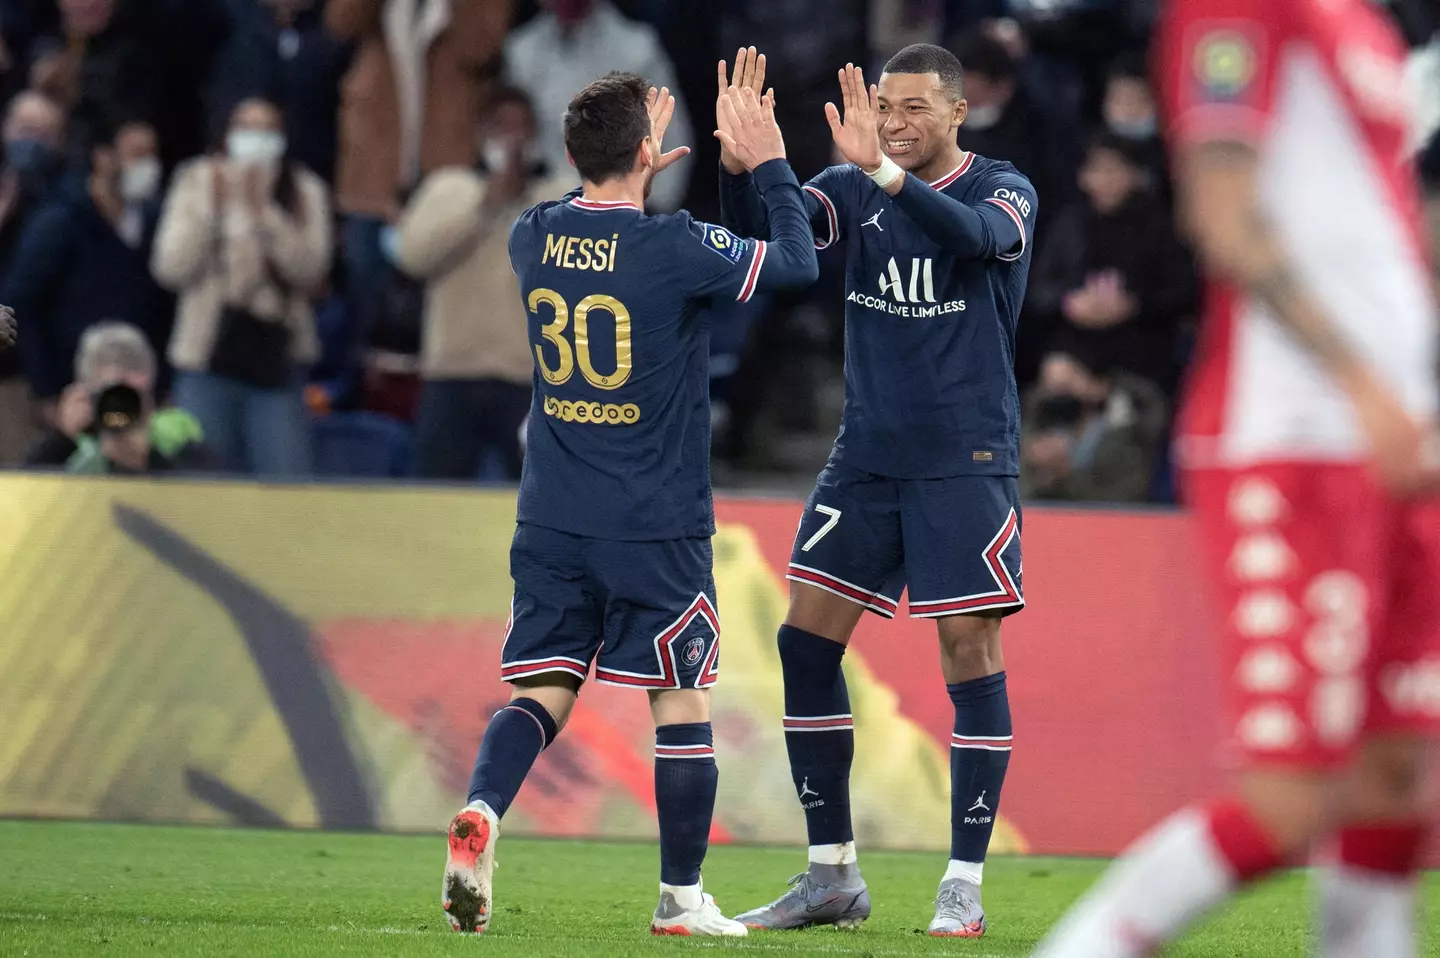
x,y
983,54
928,58
605,124
1127,150
113,345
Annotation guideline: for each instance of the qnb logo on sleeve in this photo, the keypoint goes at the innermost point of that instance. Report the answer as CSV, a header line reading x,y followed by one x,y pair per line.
x,y
1020,201
909,293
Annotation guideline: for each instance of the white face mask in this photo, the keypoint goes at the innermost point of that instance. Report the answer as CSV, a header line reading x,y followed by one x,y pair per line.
x,y
140,181
496,156
255,147
983,117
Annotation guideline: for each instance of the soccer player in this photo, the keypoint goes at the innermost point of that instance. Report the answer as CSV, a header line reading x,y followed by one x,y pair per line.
x,y
921,487
611,557
1303,439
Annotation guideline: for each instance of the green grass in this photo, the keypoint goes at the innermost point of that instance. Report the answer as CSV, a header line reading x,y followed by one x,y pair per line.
x,y
68,888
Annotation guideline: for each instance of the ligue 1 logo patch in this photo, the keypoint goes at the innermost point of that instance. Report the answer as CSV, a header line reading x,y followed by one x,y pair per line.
x,y
724,242
693,650
1225,65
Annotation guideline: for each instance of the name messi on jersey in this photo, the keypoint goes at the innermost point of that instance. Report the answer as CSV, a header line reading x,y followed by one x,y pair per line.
x,y
576,252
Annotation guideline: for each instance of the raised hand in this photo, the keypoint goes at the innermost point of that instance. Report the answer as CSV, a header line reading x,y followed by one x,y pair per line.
x,y
749,131
749,75
661,107
857,135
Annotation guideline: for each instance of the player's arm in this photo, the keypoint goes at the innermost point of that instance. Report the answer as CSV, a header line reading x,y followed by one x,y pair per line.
x,y
1219,207
994,228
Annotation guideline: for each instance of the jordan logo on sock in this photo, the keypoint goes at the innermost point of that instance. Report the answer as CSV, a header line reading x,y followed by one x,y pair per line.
x,y
806,791
979,806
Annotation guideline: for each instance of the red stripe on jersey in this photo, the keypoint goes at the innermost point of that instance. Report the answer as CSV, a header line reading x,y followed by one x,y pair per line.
x,y
830,216
753,276
954,174
841,586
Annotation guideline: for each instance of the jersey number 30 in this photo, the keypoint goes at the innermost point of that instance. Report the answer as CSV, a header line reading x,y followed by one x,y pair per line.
x,y
580,353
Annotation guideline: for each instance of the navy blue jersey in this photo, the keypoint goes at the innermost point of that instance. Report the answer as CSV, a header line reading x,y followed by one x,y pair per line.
x,y
618,444
934,281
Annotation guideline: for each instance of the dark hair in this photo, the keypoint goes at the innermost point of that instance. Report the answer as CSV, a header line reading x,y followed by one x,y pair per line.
x,y
983,54
605,124
502,94
1128,150
928,58
1129,66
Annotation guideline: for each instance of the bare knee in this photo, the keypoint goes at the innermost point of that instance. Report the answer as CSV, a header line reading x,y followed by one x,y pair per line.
x,y
969,647
556,691
1387,781
822,613
1295,808
679,706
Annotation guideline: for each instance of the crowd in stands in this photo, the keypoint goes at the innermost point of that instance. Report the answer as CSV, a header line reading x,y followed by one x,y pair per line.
x,y
268,237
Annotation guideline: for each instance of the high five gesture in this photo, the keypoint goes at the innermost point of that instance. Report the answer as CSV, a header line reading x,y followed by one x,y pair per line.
x,y
661,107
749,75
857,133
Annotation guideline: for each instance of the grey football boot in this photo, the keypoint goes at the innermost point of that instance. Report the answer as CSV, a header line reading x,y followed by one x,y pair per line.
x,y
824,895
958,913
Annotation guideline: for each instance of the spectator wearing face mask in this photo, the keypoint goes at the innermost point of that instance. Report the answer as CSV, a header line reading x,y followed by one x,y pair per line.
x,y
83,258
1005,122
1129,112
1112,279
570,43
33,132
245,240
476,360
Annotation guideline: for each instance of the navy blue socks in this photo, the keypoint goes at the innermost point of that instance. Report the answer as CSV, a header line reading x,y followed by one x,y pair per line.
x,y
819,737
979,756
513,740
685,778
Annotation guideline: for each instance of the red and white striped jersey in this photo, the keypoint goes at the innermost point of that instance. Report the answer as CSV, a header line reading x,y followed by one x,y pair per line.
x,y
1316,86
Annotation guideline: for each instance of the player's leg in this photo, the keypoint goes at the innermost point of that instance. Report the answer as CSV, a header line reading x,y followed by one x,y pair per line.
x,y
963,563
685,782
844,561
1367,889
1293,552
554,631
662,634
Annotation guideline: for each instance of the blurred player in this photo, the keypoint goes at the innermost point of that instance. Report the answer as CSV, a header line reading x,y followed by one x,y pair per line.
x,y
1303,434
611,557
921,486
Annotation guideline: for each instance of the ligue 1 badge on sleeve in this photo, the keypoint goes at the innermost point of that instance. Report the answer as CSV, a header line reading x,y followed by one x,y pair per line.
x,y
1225,65
724,242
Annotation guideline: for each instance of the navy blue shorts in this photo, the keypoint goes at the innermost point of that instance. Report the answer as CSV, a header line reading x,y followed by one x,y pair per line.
x,y
954,542
642,612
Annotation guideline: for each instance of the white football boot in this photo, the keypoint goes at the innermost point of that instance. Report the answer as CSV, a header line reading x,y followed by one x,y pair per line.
x,y
687,910
466,889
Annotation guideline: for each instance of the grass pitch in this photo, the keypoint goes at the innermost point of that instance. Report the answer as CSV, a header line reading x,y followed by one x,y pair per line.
x,y
86,889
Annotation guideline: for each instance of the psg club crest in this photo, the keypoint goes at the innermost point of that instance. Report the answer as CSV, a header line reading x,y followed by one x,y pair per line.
x,y
1225,64
693,650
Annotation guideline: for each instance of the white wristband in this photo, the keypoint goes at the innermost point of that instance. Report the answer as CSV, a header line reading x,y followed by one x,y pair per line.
x,y
888,172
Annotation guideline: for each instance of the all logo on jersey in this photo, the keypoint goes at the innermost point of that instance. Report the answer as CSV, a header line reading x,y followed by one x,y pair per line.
x,y
724,242
907,288
1225,64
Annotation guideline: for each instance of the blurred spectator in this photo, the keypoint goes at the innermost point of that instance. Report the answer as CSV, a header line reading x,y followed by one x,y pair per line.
x,y
1090,433
280,50
245,240
1005,123
1111,277
1128,111
113,60
408,107
33,133
572,42
83,258
129,438
22,22
110,354
455,236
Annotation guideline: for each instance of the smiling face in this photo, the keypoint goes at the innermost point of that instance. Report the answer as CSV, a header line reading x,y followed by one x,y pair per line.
x,y
918,120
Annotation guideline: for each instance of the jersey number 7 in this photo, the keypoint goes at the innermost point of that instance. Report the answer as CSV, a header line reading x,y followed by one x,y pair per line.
x,y
580,353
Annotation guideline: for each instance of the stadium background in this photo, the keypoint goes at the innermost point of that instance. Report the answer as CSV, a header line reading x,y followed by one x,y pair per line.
x,y
327,656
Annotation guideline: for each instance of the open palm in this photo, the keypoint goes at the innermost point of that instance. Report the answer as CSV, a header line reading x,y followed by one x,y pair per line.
x,y
857,134
661,107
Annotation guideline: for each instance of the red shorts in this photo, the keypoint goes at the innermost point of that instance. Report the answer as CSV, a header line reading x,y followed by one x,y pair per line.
x,y
1330,590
